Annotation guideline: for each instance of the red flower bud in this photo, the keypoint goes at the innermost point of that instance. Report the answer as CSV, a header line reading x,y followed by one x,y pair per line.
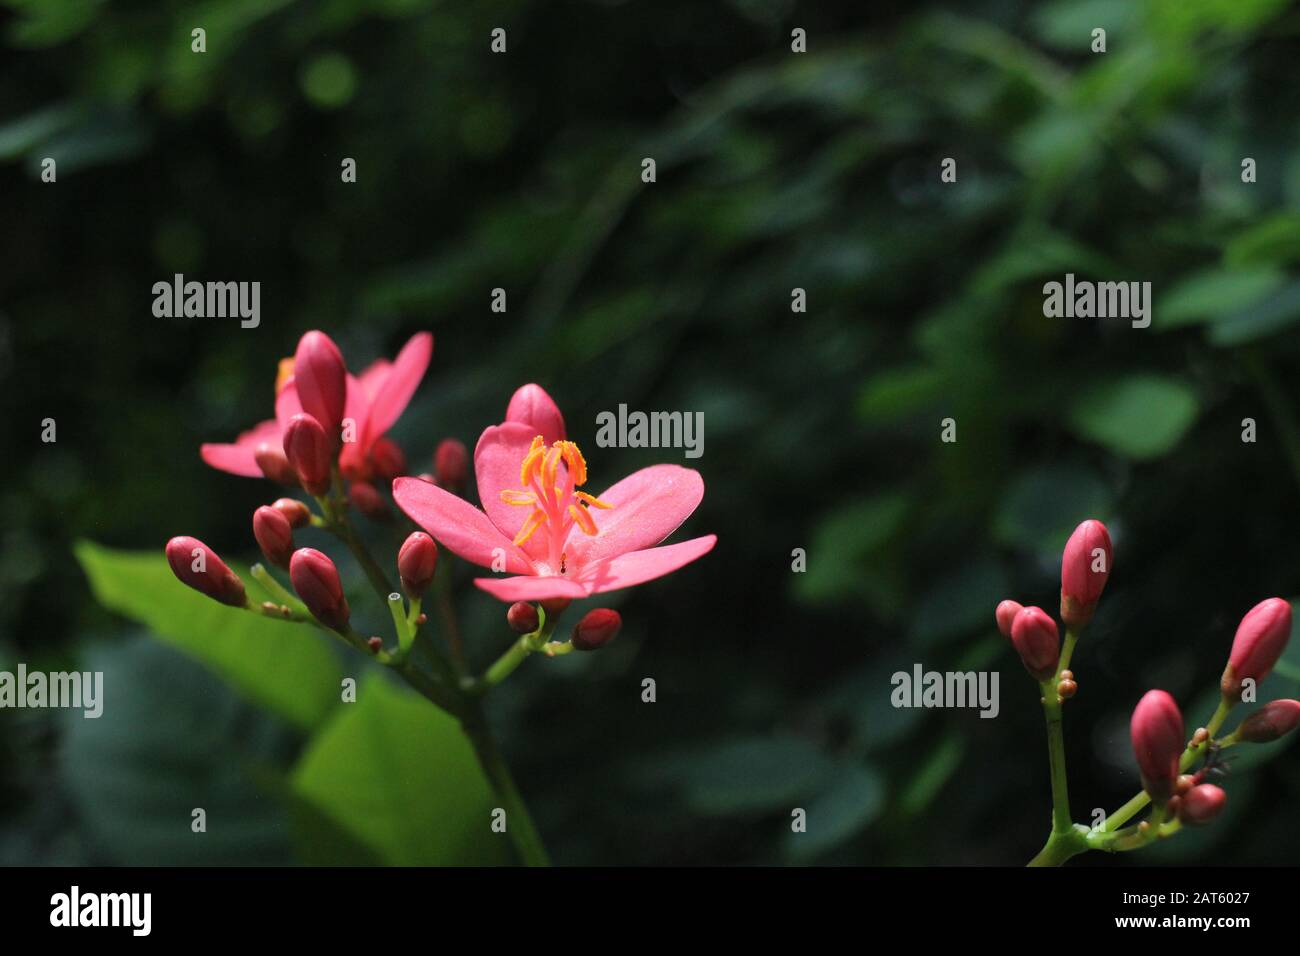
x,y
1201,804
366,498
1085,566
1034,635
321,379
295,512
1261,639
531,405
555,606
596,629
316,580
198,566
274,535
522,617
416,561
308,451
387,459
1275,719
275,465
451,463
1006,614
1158,740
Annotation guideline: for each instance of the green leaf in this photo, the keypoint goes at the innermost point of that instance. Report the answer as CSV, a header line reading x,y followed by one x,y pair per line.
x,y
853,800
286,667
171,738
1276,312
399,776
1275,240
1214,294
1140,417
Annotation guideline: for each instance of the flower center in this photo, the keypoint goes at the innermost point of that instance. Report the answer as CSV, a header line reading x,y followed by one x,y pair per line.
x,y
551,492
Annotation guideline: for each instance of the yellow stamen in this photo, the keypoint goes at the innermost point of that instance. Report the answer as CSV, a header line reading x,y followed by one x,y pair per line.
x,y
518,497
283,373
535,521
536,451
551,465
592,500
573,458
582,518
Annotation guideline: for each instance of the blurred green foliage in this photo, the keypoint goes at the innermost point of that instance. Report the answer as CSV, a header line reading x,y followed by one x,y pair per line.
x,y
775,171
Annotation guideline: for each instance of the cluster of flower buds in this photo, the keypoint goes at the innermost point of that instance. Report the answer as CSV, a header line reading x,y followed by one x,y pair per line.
x,y
596,628
327,422
1157,730
1085,567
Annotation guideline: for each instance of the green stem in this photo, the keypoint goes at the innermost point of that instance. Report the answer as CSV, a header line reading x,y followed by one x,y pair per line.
x,y
1061,822
519,823
1060,847
276,590
1140,800
506,664
401,623
1067,651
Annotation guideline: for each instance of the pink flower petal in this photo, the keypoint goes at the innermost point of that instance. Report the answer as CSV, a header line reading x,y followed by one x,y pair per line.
x,y
237,458
497,457
457,524
649,505
531,405
640,566
287,404
352,458
372,379
532,588
397,387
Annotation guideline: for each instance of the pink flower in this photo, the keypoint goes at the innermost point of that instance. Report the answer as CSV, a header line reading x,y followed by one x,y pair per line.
x,y
274,535
1037,641
1274,720
533,407
1158,740
316,580
417,559
1261,638
1006,615
536,524
1201,804
596,629
1085,568
374,401
198,566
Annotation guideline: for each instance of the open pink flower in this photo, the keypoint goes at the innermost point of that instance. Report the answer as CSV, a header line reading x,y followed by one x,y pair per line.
x,y
375,400
560,542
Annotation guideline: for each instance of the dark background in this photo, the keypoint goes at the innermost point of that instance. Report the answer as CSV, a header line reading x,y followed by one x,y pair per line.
x,y
775,171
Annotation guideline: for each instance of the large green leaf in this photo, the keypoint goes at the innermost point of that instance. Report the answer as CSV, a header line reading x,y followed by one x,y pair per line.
x,y
853,800
287,668
1139,417
400,777
171,739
